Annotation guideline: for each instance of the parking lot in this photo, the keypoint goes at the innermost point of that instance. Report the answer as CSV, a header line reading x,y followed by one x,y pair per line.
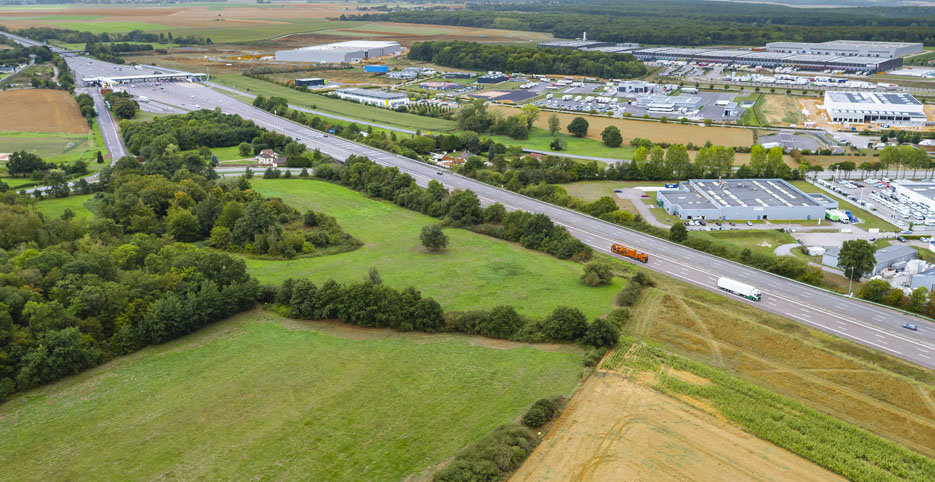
x,y
717,106
879,197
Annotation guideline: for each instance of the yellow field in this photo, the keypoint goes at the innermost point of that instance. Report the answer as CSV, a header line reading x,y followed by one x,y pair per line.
x,y
616,428
40,110
672,133
805,365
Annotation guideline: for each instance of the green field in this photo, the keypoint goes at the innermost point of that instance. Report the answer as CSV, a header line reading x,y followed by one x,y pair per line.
x,y
539,140
475,272
57,147
869,220
336,106
53,208
259,397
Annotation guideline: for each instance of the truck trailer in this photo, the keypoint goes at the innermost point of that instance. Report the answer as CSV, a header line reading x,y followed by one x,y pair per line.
x,y
629,252
738,288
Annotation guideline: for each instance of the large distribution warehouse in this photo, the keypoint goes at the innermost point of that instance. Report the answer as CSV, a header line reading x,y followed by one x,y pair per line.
x,y
743,199
340,52
881,107
846,55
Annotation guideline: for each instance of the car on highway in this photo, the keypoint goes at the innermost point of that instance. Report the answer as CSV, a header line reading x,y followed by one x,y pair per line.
x,y
900,239
439,173
910,326
749,223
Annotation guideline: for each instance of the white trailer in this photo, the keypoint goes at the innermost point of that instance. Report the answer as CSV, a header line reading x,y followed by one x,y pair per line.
x,y
738,288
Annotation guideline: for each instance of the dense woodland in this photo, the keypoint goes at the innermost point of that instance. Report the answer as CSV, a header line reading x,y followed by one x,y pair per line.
x,y
510,58
21,55
685,22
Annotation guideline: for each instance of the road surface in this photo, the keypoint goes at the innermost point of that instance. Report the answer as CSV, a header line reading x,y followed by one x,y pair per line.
x,y
870,325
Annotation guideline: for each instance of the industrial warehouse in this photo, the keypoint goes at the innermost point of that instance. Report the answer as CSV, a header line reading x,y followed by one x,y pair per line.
x,y
340,52
844,55
743,199
379,98
874,107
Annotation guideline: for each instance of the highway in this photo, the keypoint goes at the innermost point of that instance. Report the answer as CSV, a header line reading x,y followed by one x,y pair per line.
x,y
873,326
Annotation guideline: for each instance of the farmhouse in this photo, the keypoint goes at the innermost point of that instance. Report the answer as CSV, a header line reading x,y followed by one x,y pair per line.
x,y
868,107
269,158
340,52
742,199
380,98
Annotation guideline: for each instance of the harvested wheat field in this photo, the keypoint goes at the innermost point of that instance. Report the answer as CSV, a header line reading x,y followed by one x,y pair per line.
x,y
858,386
618,429
671,132
40,110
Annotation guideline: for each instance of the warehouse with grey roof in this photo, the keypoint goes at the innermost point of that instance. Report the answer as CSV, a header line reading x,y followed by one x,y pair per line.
x,y
340,52
742,199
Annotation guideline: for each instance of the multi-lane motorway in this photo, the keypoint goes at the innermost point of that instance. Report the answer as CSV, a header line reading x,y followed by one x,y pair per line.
x,y
870,325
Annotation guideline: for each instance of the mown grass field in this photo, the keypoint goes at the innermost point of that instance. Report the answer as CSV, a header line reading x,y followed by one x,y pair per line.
x,y
336,106
260,397
874,391
475,272
539,139
53,208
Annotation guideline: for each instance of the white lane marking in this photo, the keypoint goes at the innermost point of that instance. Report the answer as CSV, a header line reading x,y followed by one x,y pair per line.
x,y
853,337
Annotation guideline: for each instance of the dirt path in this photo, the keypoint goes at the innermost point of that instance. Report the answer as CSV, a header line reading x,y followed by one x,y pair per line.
x,y
617,429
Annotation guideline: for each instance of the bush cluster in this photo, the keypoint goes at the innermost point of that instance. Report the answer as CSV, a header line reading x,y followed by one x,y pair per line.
x,y
541,412
490,458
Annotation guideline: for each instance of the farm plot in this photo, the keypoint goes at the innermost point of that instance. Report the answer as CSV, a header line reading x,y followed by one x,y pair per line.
x,y
884,395
671,132
40,110
474,272
616,428
260,397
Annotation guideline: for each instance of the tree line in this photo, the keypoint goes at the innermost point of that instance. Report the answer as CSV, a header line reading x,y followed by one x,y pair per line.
x,y
111,52
80,37
21,55
510,58
684,22
460,209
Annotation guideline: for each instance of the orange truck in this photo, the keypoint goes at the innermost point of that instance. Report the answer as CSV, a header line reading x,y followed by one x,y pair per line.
x,y
629,252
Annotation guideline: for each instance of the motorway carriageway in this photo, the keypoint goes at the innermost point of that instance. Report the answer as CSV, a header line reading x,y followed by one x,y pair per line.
x,y
870,325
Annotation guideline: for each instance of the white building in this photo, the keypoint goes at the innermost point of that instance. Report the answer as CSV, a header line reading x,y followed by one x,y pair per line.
x,y
916,191
847,48
375,97
876,107
339,52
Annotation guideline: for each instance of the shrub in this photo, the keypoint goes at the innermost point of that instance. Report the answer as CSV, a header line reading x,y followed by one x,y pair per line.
x,y
596,273
541,412
491,457
601,333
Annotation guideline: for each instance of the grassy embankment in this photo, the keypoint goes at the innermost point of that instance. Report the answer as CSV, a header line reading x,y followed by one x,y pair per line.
x,y
539,139
336,106
258,396
475,272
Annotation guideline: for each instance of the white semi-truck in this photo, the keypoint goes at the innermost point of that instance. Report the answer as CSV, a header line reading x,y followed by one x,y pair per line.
x,y
738,288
